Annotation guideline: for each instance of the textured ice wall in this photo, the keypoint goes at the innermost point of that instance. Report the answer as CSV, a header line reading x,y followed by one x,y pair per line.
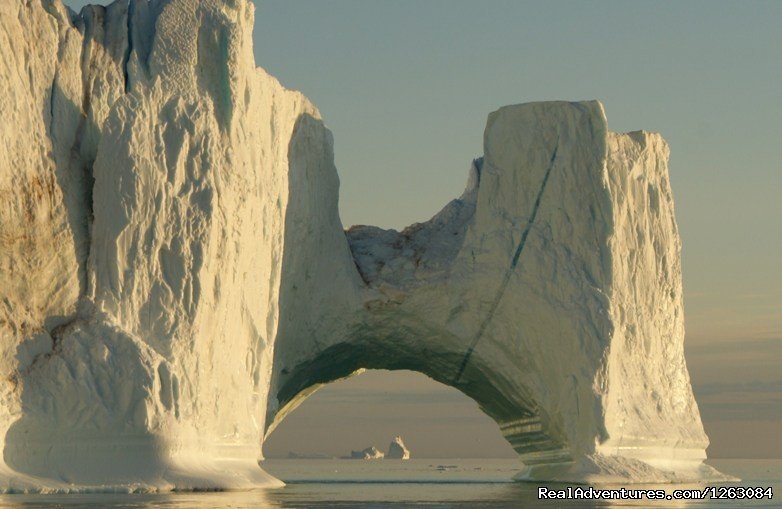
x,y
175,278
144,183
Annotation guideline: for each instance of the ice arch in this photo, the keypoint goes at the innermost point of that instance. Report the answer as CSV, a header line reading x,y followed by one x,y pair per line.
x,y
549,292
174,275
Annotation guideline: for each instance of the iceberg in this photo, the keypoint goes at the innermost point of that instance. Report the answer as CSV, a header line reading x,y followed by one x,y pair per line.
x,y
370,453
175,278
397,450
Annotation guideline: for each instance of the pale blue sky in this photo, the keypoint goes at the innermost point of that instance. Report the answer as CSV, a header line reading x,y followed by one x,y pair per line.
x,y
406,86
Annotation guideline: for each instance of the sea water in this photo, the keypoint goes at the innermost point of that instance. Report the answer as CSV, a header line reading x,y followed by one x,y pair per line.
x,y
445,483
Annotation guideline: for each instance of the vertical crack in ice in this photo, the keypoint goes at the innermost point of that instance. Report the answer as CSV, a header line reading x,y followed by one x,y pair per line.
x,y
508,273
52,98
85,162
129,50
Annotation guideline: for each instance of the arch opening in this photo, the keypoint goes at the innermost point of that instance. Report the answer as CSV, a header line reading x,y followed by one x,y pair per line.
x,y
373,406
520,420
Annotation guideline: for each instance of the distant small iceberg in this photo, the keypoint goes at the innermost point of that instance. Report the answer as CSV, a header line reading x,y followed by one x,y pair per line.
x,y
397,450
370,453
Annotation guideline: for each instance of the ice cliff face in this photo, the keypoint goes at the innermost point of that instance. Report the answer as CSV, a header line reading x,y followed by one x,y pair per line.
x,y
144,180
175,279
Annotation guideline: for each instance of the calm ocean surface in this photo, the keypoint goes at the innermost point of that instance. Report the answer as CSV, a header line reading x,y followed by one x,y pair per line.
x,y
414,483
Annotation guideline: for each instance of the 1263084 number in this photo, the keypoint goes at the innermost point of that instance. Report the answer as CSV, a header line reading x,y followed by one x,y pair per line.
x,y
738,492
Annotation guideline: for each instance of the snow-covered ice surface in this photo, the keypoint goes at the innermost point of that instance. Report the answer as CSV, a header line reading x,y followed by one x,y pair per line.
x,y
175,278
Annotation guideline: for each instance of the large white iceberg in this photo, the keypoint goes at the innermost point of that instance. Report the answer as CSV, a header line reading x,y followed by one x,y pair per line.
x,y
175,278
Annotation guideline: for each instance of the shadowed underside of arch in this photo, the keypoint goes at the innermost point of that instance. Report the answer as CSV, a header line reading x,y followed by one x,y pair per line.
x,y
549,292
516,415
